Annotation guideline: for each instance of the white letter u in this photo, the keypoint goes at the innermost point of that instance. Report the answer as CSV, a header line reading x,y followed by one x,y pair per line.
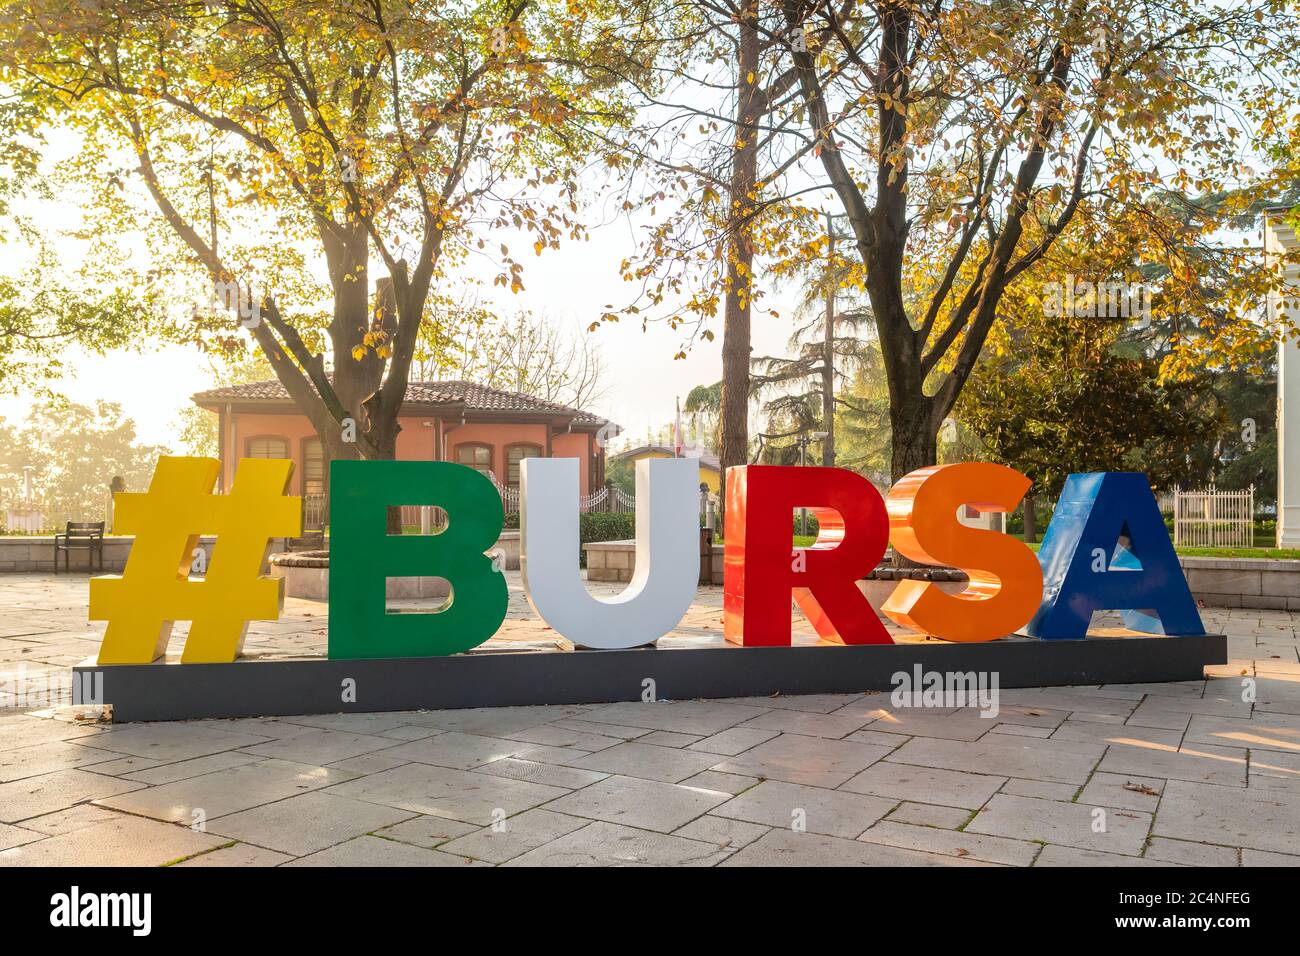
x,y
667,553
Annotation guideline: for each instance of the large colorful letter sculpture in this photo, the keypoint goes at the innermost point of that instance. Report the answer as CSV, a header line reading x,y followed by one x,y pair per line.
x,y
1006,583
1107,550
667,568
363,556
155,587
762,569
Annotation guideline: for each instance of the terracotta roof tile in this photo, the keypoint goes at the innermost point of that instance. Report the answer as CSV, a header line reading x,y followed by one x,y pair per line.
x,y
471,395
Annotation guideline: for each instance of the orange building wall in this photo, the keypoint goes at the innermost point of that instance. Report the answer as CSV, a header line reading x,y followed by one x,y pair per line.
x,y
415,442
579,445
495,436
294,428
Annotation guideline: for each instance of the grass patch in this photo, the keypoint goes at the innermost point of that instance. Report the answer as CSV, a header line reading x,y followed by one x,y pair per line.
x,y
1276,553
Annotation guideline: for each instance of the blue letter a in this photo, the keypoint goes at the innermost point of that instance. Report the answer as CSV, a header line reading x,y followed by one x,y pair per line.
x,y
1107,550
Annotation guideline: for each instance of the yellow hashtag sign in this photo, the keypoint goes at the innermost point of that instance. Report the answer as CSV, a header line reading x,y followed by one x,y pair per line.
x,y
155,588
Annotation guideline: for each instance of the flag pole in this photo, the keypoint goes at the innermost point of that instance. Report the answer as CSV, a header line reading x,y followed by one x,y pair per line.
x,y
677,430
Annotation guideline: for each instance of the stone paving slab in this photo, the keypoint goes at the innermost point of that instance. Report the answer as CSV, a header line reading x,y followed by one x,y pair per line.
x,y
925,784
637,759
646,804
1197,762
37,796
814,761
1060,761
608,844
121,841
444,792
376,851
811,809
929,815
306,823
963,845
216,794
1077,856
726,833
787,848
237,854
1259,819
516,836
1065,824
1194,773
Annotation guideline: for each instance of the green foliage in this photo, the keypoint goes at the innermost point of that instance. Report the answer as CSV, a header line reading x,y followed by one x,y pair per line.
x,y
1062,399
270,145
862,430
42,315
704,404
604,526
1236,461
75,452
592,526
622,472
199,431
812,526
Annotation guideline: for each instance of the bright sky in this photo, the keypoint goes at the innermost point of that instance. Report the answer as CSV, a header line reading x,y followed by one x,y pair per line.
x,y
570,287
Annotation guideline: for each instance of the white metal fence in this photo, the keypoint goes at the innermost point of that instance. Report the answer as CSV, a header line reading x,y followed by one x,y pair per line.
x,y
1210,518
313,512
609,498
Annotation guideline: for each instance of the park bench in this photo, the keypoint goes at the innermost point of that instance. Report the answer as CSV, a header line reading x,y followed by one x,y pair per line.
x,y
85,536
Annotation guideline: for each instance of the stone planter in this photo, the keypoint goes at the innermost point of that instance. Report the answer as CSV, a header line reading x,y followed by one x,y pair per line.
x,y
306,574
508,545
1268,583
614,561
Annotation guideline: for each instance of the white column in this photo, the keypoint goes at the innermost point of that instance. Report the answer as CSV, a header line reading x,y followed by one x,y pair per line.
x,y
1280,238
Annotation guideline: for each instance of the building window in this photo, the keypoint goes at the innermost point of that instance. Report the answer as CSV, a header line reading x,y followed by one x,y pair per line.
x,y
313,467
478,457
267,448
514,455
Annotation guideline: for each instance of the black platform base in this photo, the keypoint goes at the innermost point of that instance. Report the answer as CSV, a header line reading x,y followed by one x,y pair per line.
x,y
264,688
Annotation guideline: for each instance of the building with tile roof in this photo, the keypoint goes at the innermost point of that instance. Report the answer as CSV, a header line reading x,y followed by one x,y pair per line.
x,y
489,429
710,471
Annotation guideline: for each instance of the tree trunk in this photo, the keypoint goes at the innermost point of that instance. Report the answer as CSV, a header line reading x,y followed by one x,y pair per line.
x,y
914,445
353,380
734,438
1031,521
915,439
828,355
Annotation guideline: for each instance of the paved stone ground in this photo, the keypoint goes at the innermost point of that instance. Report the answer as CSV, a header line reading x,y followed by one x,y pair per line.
x,y
1191,773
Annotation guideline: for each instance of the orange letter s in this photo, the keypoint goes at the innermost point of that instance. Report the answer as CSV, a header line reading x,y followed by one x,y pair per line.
x,y
1006,582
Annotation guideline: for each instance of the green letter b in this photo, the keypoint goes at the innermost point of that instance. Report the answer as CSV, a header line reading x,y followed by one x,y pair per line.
x,y
363,556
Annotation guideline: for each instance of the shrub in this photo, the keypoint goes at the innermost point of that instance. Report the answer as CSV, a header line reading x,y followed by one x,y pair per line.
x,y
603,526
812,524
592,526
